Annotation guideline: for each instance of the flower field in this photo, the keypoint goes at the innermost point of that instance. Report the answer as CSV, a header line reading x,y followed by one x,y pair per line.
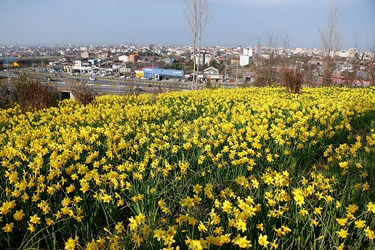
x,y
212,169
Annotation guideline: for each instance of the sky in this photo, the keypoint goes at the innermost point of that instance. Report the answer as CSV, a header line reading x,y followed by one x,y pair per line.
x,y
233,23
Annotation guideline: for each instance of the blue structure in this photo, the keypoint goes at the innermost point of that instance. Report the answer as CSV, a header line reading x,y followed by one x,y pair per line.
x,y
9,60
159,74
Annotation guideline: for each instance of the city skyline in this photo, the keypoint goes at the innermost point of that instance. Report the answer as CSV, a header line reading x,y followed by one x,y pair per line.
x,y
233,23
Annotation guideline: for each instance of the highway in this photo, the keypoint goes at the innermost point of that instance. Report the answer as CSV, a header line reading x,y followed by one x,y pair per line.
x,y
105,84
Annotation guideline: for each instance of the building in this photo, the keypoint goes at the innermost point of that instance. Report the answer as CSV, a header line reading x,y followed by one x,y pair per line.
x,y
133,58
203,58
94,61
342,53
249,76
160,74
139,73
212,75
248,52
244,60
85,54
103,55
123,58
352,52
82,67
235,61
169,60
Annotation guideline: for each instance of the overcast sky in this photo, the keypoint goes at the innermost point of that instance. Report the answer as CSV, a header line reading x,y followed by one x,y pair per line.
x,y
233,23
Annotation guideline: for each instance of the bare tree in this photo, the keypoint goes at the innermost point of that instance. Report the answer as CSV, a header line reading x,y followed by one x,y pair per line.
x,y
7,95
285,62
266,67
292,80
331,42
84,94
191,15
198,14
32,94
286,41
349,76
271,59
371,66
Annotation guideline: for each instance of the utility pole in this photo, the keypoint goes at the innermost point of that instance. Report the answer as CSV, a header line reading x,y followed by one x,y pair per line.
x,y
237,75
8,74
225,73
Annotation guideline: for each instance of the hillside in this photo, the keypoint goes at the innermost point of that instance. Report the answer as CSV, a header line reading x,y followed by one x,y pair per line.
x,y
204,169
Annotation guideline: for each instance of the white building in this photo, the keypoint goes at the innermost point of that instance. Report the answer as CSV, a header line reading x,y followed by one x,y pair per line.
x,y
352,52
343,53
203,58
299,50
82,67
77,64
212,75
123,58
248,52
94,61
244,60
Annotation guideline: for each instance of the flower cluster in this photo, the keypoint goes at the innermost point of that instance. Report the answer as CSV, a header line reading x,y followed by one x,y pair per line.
x,y
234,169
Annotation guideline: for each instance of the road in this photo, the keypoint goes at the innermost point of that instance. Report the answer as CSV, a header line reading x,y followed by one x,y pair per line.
x,y
105,84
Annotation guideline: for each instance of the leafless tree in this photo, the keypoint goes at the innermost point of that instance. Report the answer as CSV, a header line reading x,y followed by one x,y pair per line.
x,y
331,42
198,14
286,41
32,94
271,59
292,80
285,62
7,94
84,94
371,66
349,76
267,68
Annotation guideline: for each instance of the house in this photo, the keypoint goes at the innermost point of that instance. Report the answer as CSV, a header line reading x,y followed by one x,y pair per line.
x,y
212,75
133,58
204,58
249,76
103,55
211,71
123,58
82,66
139,73
85,54
169,60
235,61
